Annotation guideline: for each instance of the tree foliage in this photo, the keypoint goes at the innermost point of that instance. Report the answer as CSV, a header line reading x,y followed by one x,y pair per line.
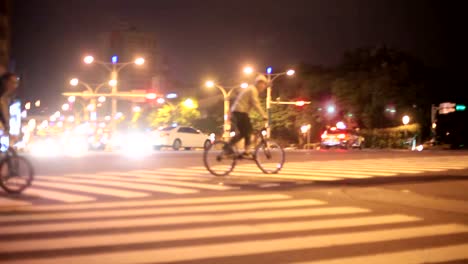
x,y
169,114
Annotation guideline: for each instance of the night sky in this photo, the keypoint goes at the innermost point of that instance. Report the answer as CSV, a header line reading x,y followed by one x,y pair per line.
x,y
202,38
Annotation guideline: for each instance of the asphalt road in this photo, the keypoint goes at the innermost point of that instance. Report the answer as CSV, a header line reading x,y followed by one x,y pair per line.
x,y
323,207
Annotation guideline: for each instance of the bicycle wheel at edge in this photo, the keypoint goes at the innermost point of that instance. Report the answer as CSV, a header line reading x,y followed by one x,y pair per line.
x,y
216,162
16,174
269,157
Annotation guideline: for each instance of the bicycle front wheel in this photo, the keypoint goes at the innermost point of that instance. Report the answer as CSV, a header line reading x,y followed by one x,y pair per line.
x,y
16,174
217,159
269,157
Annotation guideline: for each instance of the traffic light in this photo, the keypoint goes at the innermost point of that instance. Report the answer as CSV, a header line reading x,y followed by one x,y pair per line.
x,y
460,107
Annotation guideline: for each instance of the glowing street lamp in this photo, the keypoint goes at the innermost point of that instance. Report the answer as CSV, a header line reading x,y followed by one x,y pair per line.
x,y
71,99
244,85
248,70
113,83
140,61
290,72
37,103
27,106
210,84
88,59
331,109
74,82
101,99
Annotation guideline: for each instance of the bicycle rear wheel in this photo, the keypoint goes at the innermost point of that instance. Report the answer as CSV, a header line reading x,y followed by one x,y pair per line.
x,y
16,174
269,157
216,161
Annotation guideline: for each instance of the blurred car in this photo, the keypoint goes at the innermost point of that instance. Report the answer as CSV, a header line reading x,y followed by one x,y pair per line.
x,y
343,138
180,137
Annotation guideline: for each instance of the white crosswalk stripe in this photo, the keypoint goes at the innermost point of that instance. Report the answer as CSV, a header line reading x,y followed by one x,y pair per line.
x,y
354,169
432,255
62,196
219,227
11,202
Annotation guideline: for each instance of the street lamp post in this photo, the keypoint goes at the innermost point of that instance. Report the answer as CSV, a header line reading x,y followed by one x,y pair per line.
x,y
90,89
226,94
114,68
271,77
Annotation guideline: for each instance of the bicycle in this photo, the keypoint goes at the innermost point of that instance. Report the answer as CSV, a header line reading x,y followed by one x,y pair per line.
x,y
268,155
16,172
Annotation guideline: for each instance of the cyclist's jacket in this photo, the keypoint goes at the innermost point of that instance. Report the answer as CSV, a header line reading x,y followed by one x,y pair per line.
x,y
246,100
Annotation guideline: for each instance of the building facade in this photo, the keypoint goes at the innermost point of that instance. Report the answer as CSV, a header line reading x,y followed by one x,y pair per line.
x,y
5,31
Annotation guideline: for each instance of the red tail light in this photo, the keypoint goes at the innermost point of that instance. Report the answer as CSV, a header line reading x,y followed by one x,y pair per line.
x,y
341,136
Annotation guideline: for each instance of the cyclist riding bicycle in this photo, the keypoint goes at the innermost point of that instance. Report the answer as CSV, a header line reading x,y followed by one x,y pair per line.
x,y
246,101
8,85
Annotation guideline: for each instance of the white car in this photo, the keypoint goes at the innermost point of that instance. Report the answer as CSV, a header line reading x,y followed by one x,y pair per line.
x,y
180,137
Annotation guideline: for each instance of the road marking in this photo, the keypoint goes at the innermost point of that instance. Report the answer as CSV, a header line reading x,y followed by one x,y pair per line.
x,y
417,256
283,176
127,185
86,188
341,170
154,221
159,202
175,171
162,211
56,195
168,182
164,175
125,238
152,175
242,248
337,174
7,202
378,170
